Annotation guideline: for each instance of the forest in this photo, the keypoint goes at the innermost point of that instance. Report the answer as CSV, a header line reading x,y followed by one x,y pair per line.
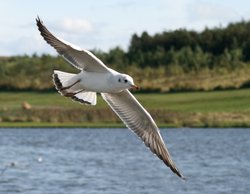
x,y
179,60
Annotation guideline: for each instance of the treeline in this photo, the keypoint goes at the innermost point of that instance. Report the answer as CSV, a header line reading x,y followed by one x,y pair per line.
x,y
188,50
168,58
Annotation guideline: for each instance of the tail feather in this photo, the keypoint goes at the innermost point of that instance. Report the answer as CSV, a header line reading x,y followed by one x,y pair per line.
x,y
62,79
63,82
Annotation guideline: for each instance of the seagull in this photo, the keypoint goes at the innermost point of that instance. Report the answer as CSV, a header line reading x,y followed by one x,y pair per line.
x,y
95,77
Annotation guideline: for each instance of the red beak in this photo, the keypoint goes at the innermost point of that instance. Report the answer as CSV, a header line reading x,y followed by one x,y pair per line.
x,y
135,87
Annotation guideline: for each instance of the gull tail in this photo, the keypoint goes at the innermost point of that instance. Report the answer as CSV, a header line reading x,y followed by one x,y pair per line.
x,y
68,85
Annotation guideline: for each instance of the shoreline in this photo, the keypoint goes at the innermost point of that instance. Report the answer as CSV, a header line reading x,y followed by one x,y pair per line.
x,y
112,125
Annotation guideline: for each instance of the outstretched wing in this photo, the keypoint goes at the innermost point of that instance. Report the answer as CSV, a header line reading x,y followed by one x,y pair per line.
x,y
79,58
136,118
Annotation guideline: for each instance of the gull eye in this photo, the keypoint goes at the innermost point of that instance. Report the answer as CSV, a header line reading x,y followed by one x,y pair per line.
x,y
125,81
119,80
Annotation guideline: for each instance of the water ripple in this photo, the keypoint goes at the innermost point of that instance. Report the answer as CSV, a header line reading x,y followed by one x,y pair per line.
x,y
52,161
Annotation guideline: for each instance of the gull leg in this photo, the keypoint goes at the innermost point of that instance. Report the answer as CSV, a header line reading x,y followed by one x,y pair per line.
x,y
68,87
63,90
71,94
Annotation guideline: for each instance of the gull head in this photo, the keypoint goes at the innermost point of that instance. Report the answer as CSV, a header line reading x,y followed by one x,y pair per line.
x,y
126,82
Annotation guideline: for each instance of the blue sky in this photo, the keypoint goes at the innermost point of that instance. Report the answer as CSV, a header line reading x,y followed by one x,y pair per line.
x,y
106,24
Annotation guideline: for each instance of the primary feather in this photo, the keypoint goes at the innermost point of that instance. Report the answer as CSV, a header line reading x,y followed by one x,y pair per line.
x,y
123,103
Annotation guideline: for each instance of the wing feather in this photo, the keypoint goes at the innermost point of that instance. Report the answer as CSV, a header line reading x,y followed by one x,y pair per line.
x,y
79,58
137,119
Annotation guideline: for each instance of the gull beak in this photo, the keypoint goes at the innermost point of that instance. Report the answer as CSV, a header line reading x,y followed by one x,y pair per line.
x,y
135,87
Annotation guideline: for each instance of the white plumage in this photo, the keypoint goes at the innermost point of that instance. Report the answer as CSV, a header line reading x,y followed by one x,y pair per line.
x,y
95,77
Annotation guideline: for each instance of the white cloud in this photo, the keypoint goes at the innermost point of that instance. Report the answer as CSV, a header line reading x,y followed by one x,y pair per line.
x,y
25,45
207,10
75,25
106,24
204,13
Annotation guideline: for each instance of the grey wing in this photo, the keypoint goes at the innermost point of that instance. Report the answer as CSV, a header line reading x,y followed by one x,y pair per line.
x,y
79,58
136,118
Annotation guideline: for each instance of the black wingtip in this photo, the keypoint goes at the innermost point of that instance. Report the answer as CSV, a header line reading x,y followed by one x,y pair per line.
x,y
39,22
179,174
182,177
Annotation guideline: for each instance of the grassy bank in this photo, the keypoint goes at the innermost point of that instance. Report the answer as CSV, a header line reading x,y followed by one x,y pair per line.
x,y
190,109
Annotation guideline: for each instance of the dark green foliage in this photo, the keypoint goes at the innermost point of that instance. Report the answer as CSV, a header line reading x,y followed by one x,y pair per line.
x,y
25,72
191,49
172,53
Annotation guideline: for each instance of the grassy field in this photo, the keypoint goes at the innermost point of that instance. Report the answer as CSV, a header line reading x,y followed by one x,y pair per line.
x,y
202,109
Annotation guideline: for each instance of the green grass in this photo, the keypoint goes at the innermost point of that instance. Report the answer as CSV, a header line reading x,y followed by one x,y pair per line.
x,y
38,99
42,100
217,101
217,108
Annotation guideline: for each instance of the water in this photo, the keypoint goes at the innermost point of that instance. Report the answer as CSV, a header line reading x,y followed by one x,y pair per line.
x,y
114,161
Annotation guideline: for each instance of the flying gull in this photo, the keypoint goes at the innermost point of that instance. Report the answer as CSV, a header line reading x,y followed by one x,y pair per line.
x,y
96,77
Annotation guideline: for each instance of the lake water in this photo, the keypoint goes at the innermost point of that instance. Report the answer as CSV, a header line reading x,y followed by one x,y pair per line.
x,y
114,161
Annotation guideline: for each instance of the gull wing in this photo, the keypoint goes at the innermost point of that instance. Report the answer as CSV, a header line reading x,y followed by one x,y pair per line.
x,y
79,58
137,119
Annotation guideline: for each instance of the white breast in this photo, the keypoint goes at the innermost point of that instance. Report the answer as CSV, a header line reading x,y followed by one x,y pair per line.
x,y
97,82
